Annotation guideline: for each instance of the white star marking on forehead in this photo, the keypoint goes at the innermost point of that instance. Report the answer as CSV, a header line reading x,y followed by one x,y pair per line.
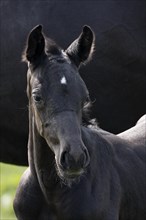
x,y
63,80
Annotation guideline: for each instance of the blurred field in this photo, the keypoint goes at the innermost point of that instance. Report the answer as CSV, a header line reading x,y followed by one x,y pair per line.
x,y
9,179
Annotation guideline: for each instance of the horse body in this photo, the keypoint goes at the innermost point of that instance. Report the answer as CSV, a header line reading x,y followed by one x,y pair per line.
x,y
75,172
112,188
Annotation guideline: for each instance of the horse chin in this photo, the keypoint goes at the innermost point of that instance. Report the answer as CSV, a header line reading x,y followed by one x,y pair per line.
x,y
70,177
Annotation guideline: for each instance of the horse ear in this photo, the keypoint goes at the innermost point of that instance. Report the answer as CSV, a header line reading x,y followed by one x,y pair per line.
x,y
81,50
35,44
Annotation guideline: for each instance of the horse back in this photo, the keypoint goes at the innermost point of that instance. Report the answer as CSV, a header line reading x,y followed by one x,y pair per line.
x,y
136,134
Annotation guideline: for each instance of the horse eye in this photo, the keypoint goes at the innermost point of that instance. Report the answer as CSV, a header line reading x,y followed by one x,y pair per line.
x,y
37,98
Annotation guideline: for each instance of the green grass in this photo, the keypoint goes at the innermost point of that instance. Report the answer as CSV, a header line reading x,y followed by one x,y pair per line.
x,y
9,179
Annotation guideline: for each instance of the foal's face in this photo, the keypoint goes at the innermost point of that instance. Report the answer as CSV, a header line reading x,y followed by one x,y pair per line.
x,y
57,96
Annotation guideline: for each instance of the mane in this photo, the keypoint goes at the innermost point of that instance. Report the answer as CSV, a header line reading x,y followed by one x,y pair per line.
x,y
51,47
87,121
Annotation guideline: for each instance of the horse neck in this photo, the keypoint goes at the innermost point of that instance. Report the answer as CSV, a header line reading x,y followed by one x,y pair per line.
x,y
100,150
41,158
31,143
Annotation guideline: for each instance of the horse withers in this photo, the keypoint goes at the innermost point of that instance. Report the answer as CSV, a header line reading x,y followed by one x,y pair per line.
x,y
76,170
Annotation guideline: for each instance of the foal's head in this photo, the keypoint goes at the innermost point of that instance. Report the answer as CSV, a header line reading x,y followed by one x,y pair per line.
x,y
57,96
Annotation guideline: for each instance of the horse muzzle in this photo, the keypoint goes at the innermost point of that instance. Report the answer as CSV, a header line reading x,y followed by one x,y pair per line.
x,y
73,162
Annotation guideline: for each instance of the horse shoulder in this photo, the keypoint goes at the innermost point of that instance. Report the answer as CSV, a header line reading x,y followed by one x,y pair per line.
x,y
29,200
